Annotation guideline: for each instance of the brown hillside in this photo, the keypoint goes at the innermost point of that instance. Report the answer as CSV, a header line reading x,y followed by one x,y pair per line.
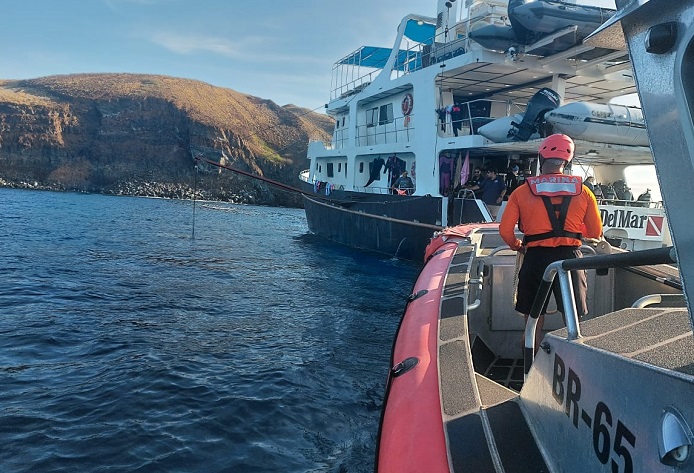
x,y
95,131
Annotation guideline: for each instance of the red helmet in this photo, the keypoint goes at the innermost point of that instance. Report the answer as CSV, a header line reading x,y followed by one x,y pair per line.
x,y
557,146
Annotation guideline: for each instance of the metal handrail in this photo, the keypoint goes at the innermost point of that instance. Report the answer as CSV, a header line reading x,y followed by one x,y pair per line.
x,y
562,269
652,299
466,194
479,281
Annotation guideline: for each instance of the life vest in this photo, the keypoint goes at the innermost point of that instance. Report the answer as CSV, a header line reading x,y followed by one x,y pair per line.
x,y
555,185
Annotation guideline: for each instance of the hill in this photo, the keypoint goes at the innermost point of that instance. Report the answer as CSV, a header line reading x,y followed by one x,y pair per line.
x,y
139,134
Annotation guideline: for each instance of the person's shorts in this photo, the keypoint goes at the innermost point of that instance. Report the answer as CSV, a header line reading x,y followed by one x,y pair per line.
x,y
535,262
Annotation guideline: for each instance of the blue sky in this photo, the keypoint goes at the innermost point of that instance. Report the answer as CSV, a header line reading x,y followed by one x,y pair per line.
x,y
277,50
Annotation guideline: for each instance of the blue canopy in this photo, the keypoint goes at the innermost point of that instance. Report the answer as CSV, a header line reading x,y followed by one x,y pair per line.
x,y
372,56
367,56
423,33
375,57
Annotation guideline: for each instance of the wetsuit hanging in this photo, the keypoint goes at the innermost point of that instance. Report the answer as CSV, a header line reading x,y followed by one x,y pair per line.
x,y
375,170
445,174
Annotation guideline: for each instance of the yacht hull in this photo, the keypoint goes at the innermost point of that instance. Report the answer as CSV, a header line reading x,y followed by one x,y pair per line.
x,y
394,225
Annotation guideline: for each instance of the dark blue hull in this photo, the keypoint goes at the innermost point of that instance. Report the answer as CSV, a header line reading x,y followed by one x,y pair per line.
x,y
400,226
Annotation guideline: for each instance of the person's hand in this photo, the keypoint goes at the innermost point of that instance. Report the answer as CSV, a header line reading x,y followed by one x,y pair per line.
x,y
522,249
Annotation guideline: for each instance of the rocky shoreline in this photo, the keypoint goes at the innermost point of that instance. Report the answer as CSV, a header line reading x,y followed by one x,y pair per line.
x,y
149,189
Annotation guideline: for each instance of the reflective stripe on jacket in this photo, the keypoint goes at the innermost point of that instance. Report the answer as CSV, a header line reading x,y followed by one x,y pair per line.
x,y
529,212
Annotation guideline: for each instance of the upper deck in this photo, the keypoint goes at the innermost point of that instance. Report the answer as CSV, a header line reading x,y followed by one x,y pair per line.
x,y
503,68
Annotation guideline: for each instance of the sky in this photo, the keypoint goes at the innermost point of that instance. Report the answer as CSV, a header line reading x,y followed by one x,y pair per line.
x,y
277,50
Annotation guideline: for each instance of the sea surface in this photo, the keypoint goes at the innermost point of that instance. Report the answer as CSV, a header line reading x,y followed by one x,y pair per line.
x,y
150,335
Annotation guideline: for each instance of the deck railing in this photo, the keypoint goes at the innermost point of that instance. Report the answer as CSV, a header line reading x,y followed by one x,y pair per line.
x,y
630,203
400,130
348,78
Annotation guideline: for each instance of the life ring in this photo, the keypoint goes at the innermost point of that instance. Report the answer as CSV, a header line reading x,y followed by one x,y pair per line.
x,y
407,104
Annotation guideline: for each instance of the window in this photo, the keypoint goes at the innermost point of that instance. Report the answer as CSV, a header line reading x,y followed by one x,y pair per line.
x,y
385,114
339,167
343,121
477,109
371,117
345,169
642,177
361,168
330,170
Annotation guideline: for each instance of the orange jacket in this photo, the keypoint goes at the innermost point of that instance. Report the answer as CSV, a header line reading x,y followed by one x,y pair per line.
x,y
529,212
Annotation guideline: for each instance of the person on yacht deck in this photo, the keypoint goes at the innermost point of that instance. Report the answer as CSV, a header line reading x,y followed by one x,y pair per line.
x,y
493,191
403,185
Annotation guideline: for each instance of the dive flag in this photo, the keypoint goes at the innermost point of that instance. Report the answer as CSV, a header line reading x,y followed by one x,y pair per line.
x,y
654,226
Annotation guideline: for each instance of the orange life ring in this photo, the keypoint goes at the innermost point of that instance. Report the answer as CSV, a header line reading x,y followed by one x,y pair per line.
x,y
407,104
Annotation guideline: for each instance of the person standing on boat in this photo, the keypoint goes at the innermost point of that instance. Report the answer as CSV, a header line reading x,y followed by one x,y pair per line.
x,y
475,179
590,184
554,211
493,190
511,180
403,185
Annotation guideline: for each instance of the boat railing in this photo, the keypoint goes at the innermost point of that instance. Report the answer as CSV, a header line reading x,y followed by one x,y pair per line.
x,y
397,130
466,194
562,270
353,86
401,129
373,189
630,203
465,118
404,190
349,77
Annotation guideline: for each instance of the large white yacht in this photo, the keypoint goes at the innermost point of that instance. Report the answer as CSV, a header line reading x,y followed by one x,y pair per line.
x,y
476,85
609,392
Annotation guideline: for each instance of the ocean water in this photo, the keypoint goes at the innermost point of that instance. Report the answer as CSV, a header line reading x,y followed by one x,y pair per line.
x,y
131,343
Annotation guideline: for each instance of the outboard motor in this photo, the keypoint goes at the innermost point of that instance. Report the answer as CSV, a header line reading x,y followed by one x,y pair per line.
x,y
542,102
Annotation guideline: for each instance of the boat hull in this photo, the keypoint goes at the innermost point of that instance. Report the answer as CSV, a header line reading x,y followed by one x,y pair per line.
x,y
411,437
394,225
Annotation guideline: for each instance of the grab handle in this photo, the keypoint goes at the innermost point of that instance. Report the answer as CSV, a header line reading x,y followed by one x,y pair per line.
x,y
478,281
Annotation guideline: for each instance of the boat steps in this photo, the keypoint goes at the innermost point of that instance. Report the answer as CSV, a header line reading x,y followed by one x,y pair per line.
x,y
497,435
507,372
483,421
649,335
485,427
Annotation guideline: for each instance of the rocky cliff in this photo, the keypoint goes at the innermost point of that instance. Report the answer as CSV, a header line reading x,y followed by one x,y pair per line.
x,y
139,134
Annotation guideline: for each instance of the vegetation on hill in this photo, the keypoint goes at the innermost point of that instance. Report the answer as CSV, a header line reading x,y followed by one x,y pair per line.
x,y
109,132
